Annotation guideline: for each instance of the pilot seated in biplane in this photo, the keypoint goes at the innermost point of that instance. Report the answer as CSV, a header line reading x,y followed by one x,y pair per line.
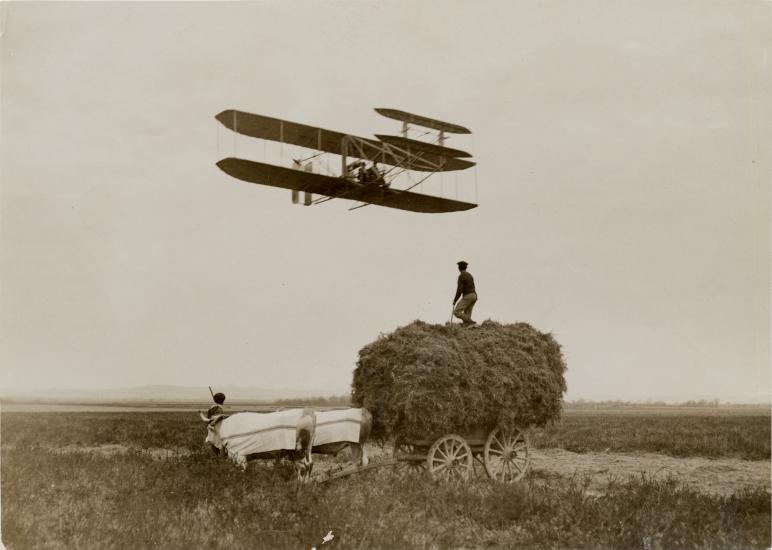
x,y
361,173
373,175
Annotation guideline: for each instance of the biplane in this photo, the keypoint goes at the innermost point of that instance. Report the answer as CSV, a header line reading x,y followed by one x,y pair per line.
x,y
368,167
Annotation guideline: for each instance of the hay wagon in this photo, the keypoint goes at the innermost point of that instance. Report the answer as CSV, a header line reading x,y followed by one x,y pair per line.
x,y
504,453
458,396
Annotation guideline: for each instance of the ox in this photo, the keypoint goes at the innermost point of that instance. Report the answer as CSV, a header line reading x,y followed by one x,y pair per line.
x,y
247,436
341,428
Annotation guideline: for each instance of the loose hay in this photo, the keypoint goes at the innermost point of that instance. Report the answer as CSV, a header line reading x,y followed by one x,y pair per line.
x,y
423,380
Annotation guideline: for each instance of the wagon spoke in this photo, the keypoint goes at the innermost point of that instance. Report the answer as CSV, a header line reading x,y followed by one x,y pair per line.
x,y
513,470
519,463
403,448
449,457
456,448
503,467
444,450
506,454
450,448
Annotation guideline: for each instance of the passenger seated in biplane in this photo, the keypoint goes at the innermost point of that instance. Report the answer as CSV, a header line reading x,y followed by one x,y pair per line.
x,y
373,175
368,174
353,166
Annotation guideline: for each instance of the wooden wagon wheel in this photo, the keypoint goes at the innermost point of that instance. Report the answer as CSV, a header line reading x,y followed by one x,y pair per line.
x,y
450,457
506,455
403,448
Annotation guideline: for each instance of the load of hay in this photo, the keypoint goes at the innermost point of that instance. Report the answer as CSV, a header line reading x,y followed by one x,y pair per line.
x,y
423,381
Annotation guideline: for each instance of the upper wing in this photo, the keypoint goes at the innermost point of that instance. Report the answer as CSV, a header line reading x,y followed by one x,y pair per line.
x,y
287,178
414,145
426,122
274,129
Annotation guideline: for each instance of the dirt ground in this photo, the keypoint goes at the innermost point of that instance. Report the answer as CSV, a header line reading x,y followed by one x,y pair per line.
x,y
722,476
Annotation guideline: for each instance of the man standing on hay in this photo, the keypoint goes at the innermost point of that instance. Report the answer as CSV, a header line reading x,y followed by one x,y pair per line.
x,y
465,290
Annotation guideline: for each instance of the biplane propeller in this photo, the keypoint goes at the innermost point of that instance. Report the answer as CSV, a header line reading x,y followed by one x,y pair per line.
x,y
360,178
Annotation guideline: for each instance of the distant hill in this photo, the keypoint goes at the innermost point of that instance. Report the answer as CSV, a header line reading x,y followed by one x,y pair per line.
x,y
673,399
167,394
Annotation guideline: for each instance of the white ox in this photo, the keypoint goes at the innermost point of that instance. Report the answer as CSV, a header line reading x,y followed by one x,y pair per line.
x,y
341,428
246,436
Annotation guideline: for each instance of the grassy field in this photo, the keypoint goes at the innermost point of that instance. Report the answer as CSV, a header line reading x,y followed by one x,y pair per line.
x,y
745,436
143,480
680,435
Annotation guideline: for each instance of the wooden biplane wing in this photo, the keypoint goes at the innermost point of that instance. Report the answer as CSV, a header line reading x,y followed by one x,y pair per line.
x,y
276,129
426,122
405,200
287,178
284,131
413,145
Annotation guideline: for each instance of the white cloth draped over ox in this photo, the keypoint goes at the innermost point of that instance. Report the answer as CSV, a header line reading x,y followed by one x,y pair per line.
x,y
338,426
249,433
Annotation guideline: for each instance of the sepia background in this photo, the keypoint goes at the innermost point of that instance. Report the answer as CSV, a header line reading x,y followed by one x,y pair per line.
x,y
623,186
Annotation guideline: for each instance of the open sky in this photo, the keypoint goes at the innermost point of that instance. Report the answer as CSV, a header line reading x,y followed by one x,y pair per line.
x,y
623,175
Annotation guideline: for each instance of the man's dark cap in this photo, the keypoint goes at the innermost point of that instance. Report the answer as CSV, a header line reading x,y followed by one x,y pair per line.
x,y
462,263
219,398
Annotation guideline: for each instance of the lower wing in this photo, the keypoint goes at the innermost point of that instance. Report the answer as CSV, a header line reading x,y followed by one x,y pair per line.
x,y
287,178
